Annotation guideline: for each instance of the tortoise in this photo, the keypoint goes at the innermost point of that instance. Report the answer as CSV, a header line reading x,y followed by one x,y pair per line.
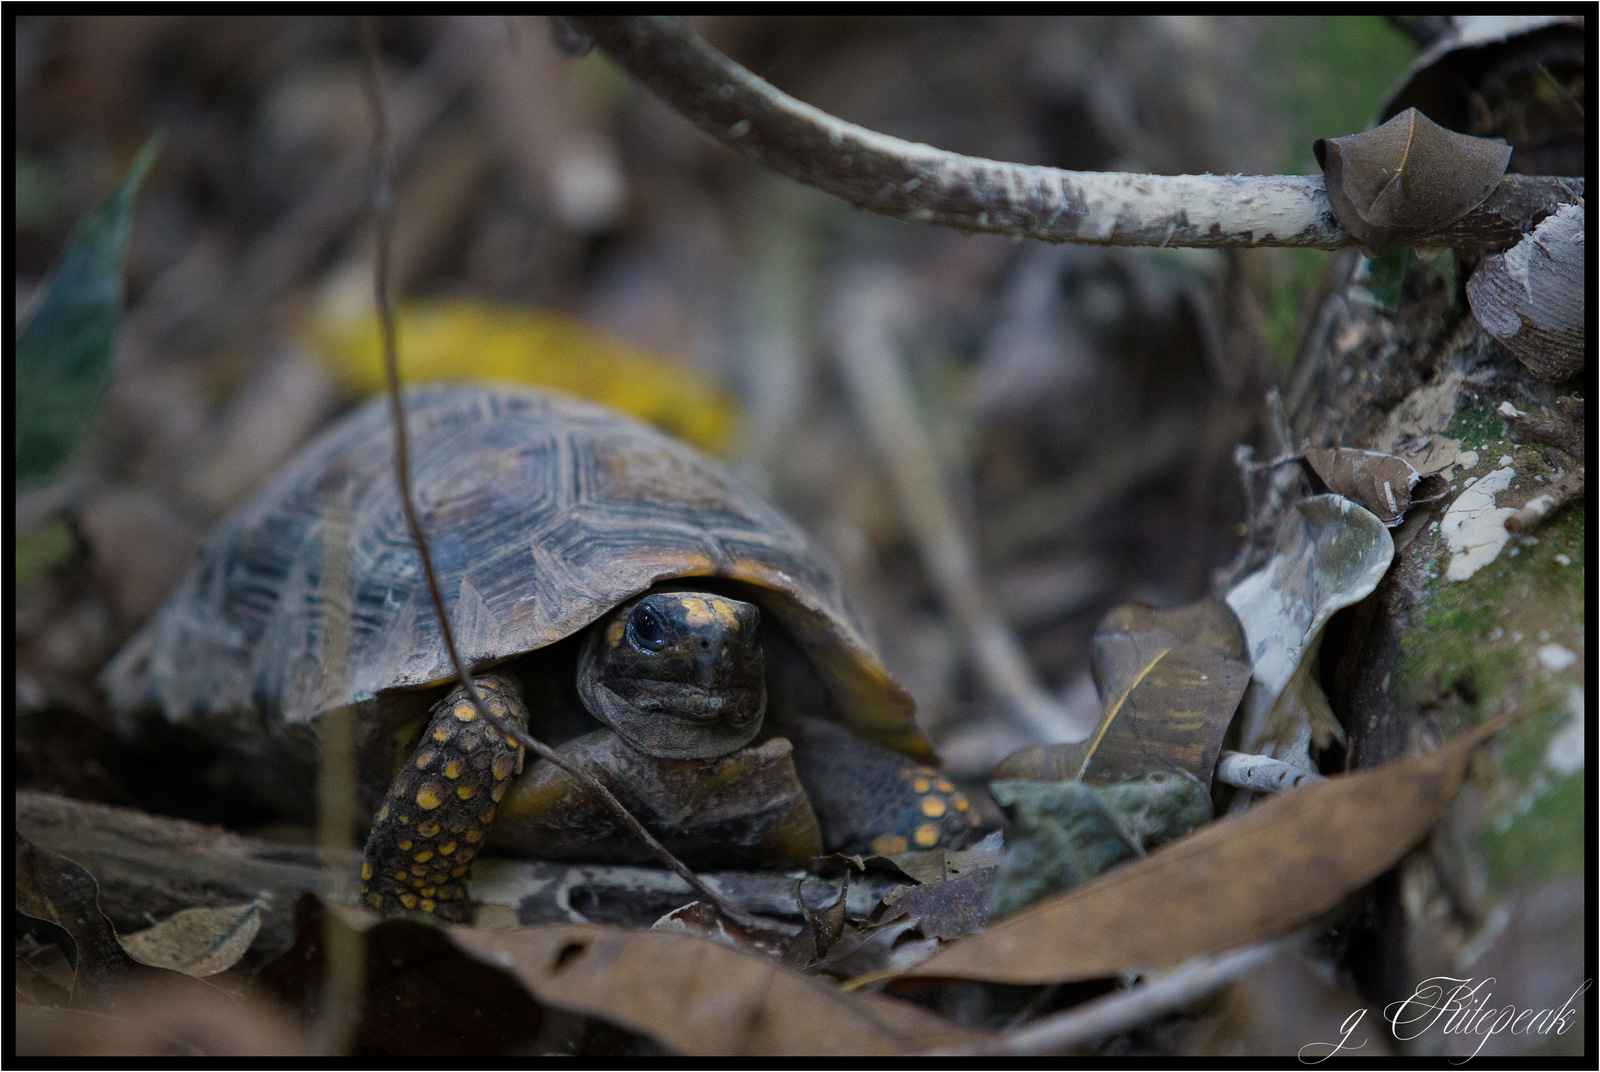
x,y
670,632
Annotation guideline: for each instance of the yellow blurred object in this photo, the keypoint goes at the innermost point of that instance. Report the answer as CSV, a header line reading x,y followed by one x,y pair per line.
x,y
480,340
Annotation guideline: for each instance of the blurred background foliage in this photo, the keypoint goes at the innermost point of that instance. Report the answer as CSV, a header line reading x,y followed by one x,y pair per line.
x,y
558,224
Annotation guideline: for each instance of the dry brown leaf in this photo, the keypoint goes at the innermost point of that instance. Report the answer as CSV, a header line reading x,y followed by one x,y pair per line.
x,y
700,997
1407,178
1235,882
1383,483
197,941
1170,681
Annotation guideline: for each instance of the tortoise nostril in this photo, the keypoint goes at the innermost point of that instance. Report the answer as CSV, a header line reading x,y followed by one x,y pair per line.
x,y
705,643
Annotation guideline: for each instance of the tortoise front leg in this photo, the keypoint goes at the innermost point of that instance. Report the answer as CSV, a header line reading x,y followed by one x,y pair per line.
x,y
438,810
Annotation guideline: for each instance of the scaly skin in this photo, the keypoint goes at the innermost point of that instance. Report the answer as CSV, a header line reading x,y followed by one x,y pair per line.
x,y
439,808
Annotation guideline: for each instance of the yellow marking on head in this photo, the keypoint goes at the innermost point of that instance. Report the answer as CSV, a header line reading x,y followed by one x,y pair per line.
x,y
428,829
933,807
427,904
430,796
452,769
888,844
922,785
424,856
366,870
474,836
927,835
464,711
696,612
503,767
464,792
447,848
404,845
614,632
409,900
944,786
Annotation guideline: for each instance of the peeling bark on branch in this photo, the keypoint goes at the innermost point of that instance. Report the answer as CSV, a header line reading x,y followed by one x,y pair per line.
x,y
922,184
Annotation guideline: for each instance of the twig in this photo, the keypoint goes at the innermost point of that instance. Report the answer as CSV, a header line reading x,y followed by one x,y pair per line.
x,y
336,790
383,211
1118,1012
862,326
1261,772
921,184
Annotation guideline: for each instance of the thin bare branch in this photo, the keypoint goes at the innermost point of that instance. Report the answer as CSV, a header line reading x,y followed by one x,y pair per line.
x,y
921,184
383,211
862,326
1126,1009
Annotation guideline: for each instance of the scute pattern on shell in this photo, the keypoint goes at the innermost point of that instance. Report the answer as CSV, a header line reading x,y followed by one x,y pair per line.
x,y
542,512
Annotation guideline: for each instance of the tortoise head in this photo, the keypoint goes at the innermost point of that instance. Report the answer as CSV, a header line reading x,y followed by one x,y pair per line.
x,y
677,674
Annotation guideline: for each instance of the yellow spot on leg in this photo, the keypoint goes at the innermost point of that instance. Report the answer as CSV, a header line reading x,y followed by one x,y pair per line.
x,y
441,732
424,757
927,835
887,844
428,829
430,796
464,711
375,900
366,871
933,807
424,856
474,836
921,785
503,767
427,904
447,848
452,769
409,900
464,792
404,845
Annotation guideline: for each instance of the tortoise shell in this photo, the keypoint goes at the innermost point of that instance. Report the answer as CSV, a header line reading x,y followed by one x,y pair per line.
x,y
542,512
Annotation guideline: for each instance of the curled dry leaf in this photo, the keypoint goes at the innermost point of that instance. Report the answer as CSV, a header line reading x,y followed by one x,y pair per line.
x,y
1330,554
197,941
57,890
1234,882
1170,681
1386,485
1531,297
701,997
1407,178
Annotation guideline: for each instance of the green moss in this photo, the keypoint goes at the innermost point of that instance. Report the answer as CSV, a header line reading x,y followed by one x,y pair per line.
x,y
1538,834
1493,625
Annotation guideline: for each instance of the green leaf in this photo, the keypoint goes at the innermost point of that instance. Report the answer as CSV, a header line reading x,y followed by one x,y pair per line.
x,y
65,350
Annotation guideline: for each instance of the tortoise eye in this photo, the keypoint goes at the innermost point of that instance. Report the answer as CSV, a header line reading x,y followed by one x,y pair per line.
x,y
647,631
